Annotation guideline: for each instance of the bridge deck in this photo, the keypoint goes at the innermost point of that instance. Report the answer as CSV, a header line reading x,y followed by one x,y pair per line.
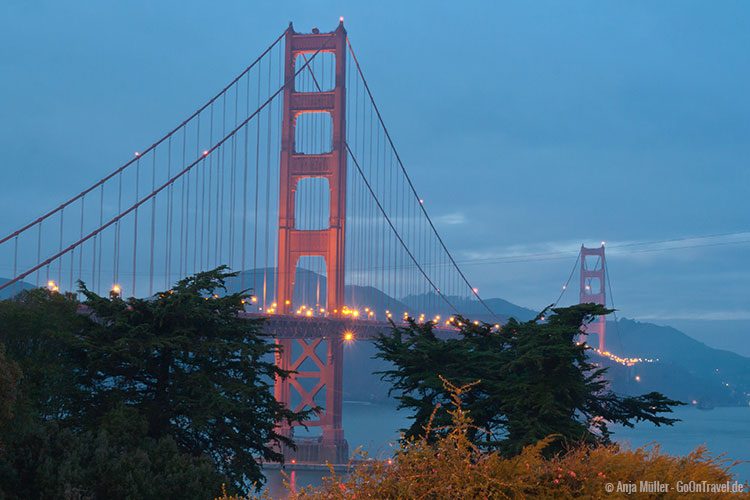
x,y
300,327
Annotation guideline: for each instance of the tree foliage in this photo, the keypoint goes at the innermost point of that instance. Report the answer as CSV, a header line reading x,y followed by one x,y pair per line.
x,y
534,380
115,460
10,375
192,367
36,328
174,389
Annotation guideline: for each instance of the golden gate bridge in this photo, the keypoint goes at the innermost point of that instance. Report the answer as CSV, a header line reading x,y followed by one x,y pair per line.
x,y
289,171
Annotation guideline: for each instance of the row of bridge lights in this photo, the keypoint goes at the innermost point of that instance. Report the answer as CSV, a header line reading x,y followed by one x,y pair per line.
x,y
625,361
309,312
115,291
303,310
354,313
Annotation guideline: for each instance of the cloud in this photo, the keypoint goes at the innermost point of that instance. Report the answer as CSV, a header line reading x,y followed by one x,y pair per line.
x,y
451,219
730,315
685,248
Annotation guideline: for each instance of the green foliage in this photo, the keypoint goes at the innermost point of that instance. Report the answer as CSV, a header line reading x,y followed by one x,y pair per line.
x,y
9,379
36,328
151,397
192,367
117,460
534,380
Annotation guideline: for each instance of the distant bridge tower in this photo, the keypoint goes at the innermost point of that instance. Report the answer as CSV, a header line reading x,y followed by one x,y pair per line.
x,y
593,267
319,363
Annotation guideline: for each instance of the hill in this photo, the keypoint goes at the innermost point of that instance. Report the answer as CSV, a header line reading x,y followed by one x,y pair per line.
x,y
686,369
17,287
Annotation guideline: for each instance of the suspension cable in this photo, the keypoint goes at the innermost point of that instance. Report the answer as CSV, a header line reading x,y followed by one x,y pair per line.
x,y
147,150
570,277
116,220
393,228
411,184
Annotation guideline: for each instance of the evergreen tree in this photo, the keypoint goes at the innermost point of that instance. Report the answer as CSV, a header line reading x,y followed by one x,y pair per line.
x,y
192,367
163,397
10,375
115,460
36,328
535,380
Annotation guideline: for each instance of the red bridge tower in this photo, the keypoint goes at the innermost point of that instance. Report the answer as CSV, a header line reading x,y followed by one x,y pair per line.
x,y
593,288
318,360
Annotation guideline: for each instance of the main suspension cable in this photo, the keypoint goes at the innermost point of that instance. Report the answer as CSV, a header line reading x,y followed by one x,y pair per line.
x,y
116,220
411,184
145,151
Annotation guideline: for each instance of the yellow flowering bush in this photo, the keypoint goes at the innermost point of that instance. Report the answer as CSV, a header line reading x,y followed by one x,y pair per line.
x,y
453,468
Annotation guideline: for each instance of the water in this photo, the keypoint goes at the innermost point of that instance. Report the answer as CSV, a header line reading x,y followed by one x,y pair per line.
x,y
723,430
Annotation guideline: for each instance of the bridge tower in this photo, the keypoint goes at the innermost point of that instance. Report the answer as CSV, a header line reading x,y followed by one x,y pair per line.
x,y
318,360
593,267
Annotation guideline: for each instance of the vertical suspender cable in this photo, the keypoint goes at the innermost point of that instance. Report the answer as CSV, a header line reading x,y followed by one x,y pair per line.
x,y
220,186
15,256
118,230
101,239
184,201
268,194
257,188
280,117
243,245
80,255
153,228
170,216
206,217
232,182
197,210
59,262
135,224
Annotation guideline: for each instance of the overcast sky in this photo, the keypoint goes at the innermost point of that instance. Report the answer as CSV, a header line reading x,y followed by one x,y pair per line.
x,y
569,122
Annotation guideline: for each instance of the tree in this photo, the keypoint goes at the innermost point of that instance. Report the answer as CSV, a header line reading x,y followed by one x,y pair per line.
x,y
534,380
10,375
191,366
41,454
36,328
115,460
156,398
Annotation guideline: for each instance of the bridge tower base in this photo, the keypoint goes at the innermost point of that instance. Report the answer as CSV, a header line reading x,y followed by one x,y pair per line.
x,y
324,373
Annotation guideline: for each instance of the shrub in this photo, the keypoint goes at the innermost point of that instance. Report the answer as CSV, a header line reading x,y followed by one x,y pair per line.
x,y
453,467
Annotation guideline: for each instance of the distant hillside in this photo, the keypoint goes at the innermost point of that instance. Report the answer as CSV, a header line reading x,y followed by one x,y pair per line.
x,y
310,289
13,289
474,309
727,334
686,369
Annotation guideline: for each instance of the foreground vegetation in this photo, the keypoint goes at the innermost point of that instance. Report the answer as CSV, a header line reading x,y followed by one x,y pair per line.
x,y
452,466
135,398
530,380
170,397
